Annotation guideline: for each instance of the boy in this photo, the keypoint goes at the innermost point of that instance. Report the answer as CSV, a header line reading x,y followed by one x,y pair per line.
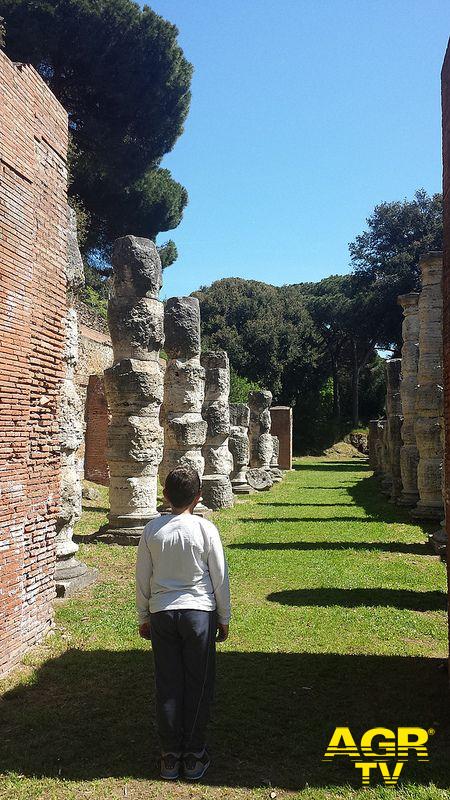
x,y
183,602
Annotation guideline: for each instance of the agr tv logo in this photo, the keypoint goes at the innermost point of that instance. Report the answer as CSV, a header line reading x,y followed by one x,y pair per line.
x,y
380,749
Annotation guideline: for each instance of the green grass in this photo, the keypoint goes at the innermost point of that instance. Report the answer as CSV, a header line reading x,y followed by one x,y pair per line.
x,y
339,618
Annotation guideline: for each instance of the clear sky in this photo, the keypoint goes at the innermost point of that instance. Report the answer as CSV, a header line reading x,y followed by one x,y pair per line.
x,y
305,114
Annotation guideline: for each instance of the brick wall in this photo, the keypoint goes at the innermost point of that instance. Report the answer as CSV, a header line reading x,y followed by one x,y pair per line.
x,y
95,355
96,418
281,419
446,283
33,252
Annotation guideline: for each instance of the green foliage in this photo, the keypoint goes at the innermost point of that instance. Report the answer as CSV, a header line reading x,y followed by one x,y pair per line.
x,y
125,83
168,253
240,387
385,259
92,298
266,330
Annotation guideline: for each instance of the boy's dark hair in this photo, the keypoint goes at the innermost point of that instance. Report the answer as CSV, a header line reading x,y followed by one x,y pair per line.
x,y
181,486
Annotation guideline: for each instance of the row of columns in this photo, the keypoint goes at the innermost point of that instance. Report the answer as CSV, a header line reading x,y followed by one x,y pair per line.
x,y
406,449
162,418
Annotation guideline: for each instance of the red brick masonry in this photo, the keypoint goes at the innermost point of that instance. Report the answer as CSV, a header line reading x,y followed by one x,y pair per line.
x,y
281,417
446,285
33,254
97,417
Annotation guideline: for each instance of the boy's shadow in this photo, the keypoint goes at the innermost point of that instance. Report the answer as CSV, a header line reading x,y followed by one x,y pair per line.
x,y
89,715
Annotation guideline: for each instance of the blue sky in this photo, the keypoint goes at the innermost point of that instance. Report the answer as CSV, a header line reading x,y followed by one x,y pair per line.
x,y
305,114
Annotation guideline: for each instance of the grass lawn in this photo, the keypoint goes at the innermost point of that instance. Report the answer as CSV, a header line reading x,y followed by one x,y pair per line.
x,y
339,618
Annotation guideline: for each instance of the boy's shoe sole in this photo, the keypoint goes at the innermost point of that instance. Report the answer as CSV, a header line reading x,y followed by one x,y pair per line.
x,y
167,773
197,773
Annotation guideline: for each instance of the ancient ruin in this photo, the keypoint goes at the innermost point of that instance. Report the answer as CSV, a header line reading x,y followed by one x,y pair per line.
x,y
134,387
379,447
275,470
238,445
217,492
33,303
281,426
394,424
97,418
261,445
70,574
429,402
409,456
385,472
184,389
372,441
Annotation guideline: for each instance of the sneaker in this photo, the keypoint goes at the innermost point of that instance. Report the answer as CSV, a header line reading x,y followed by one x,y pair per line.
x,y
170,766
195,765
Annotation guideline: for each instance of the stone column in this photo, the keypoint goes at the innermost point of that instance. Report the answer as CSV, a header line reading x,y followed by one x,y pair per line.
x,y
261,445
217,492
394,423
239,447
134,387
409,456
429,403
275,470
379,447
70,574
386,477
184,389
372,440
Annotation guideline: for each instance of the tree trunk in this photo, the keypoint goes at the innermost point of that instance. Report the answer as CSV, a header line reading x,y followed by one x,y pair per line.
x,y
355,385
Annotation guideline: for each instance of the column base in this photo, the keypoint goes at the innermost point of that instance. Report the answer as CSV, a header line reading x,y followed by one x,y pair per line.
x,y
424,511
242,488
408,499
260,479
438,541
277,474
72,575
124,530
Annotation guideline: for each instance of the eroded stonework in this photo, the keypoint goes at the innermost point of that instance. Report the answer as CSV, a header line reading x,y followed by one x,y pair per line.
x,y
275,470
70,574
184,389
409,455
134,387
217,492
394,424
261,444
429,403
239,447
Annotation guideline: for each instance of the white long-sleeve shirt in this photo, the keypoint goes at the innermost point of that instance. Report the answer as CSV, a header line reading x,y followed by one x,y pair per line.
x,y
181,564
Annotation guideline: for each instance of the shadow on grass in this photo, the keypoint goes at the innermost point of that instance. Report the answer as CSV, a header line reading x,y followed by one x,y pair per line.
x,y
88,715
277,520
352,598
366,494
336,466
308,505
416,548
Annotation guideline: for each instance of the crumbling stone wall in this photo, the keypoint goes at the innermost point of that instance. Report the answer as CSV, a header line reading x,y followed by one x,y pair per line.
x,y
33,255
70,574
